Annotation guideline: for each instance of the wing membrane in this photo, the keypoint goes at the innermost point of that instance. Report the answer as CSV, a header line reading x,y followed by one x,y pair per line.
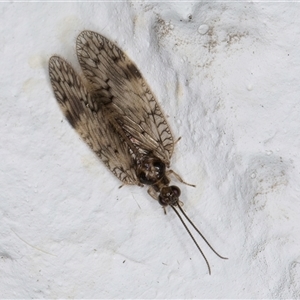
x,y
110,72
91,119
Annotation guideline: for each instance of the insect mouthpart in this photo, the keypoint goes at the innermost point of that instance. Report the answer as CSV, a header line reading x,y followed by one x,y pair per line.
x,y
169,195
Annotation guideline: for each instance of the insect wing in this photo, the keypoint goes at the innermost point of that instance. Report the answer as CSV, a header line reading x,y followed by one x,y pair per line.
x,y
86,115
111,72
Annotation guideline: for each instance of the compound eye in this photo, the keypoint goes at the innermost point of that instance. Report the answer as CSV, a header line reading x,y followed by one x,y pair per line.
x,y
162,201
175,191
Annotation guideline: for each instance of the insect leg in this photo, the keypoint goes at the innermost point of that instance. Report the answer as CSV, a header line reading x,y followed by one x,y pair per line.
x,y
153,193
178,177
177,140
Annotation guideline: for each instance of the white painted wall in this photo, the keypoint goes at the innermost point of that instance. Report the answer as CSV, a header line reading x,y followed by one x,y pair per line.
x,y
227,78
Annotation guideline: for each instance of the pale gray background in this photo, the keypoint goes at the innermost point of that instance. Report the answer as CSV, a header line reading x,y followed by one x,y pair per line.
x,y
227,78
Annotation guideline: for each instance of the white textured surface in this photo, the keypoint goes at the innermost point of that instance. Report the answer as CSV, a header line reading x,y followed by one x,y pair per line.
x,y
227,77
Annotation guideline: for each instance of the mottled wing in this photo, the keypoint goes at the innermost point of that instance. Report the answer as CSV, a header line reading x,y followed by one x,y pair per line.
x,y
111,73
86,115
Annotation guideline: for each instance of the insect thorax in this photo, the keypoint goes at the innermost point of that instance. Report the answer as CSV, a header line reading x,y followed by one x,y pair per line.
x,y
150,170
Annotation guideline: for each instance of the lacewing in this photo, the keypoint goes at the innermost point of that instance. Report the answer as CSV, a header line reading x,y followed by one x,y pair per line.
x,y
116,114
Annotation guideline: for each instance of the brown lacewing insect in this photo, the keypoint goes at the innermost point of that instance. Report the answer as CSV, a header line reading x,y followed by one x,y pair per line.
x,y
115,112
